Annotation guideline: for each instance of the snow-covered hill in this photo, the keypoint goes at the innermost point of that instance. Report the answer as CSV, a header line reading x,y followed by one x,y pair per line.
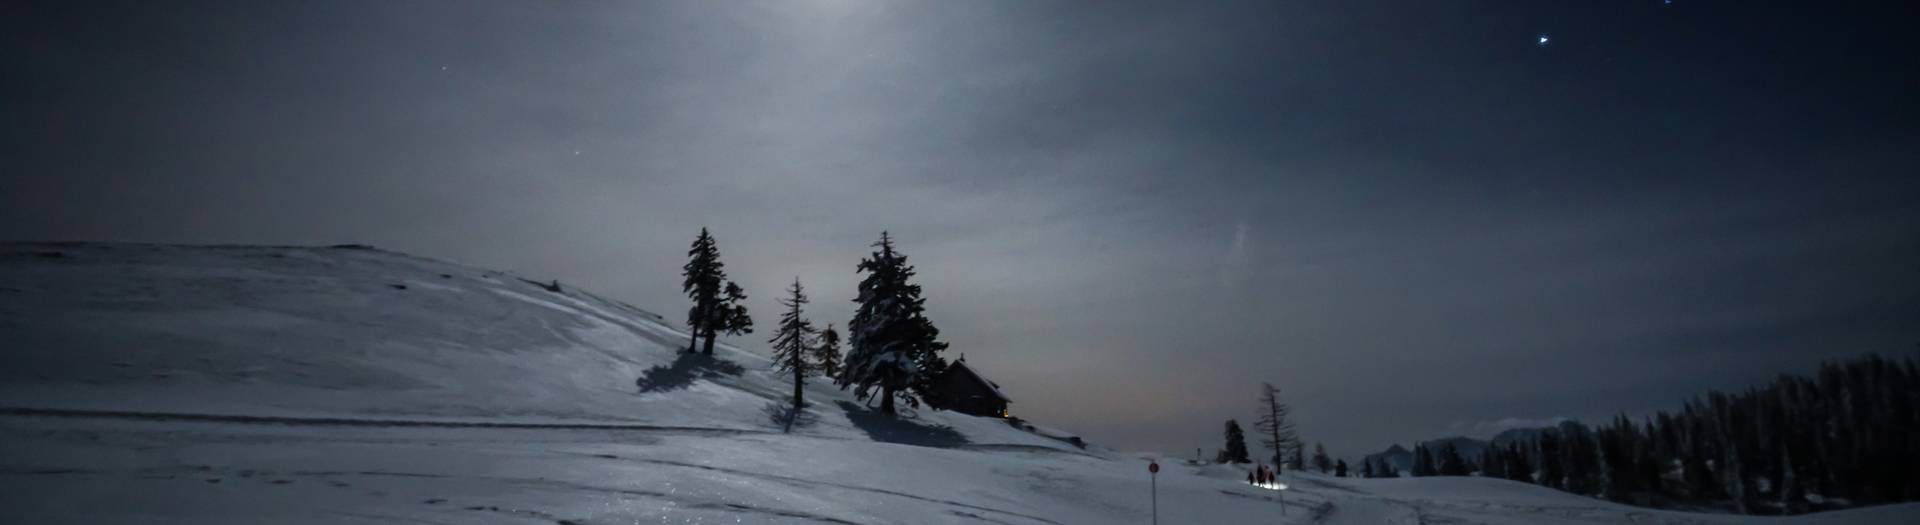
x,y
352,332
144,384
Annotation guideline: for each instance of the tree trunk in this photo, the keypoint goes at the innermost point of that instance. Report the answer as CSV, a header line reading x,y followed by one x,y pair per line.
x,y
710,335
798,380
1736,481
886,400
693,338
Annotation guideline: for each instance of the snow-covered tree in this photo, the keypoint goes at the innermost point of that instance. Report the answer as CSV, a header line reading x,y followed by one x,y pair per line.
x,y
1274,424
793,342
826,354
704,276
894,350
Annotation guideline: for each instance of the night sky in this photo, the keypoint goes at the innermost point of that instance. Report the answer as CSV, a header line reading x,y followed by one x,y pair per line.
x,y
1410,215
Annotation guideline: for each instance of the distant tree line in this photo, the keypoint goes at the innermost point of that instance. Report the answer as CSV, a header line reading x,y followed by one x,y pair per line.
x,y
1845,437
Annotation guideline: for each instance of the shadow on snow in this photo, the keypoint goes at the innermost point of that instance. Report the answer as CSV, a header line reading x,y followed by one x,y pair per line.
x,y
686,368
782,415
890,429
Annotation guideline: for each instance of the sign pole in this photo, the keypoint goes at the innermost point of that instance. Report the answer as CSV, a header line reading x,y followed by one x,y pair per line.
x,y
1153,481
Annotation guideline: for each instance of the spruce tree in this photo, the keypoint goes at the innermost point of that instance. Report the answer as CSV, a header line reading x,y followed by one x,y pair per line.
x,y
1320,460
1299,460
791,344
1582,463
826,355
1552,463
1236,451
1422,461
1518,468
1490,465
733,315
1340,468
1366,468
894,350
1275,425
1451,464
704,277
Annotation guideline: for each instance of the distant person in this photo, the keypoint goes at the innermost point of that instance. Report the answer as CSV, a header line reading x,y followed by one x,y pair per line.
x,y
1250,480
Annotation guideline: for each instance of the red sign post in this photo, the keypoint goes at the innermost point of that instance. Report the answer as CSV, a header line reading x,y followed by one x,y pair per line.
x,y
1153,476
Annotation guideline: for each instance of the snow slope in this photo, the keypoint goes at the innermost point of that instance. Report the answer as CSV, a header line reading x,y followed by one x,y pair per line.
x,y
169,384
367,334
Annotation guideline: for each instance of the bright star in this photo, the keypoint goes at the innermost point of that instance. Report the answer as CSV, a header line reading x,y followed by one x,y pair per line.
x,y
1543,40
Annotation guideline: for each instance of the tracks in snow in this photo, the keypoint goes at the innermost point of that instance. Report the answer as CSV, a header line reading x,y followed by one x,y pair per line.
x,y
811,482
957,508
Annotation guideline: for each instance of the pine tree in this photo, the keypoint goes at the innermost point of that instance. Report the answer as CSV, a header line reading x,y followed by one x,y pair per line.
x,y
1490,465
1582,463
1320,460
1518,468
1236,451
1275,426
1703,484
1299,460
733,318
1451,464
791,344
704,277
1617,459
1340,468
826,355
1366,468
1422,461
1552,470
894,348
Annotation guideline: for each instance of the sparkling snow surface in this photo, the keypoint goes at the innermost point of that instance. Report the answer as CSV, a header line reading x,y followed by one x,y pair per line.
x,y
157,384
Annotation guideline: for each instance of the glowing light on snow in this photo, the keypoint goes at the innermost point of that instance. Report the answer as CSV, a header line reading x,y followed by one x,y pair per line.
x,y
1272,486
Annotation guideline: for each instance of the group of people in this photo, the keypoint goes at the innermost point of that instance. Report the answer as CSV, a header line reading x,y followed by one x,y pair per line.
x,y
1261,475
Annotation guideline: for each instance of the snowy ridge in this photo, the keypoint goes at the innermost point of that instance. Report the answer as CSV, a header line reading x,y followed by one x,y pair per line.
x,y
361,333
170,384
